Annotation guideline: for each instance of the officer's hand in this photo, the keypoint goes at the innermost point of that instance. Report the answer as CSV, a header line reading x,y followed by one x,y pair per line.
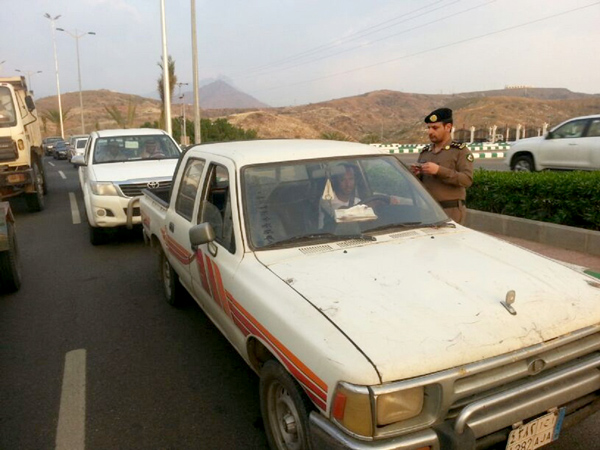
x,y
415,169
430,168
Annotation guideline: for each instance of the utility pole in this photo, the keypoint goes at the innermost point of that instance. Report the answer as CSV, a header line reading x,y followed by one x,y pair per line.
x,y
182,139
197,128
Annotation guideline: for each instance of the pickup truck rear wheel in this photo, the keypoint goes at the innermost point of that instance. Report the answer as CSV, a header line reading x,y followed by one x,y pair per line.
x,y
35,200
285,408
172,287
10,267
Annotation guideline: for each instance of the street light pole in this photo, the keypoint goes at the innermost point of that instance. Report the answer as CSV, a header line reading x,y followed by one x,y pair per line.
x,y
197,128
76,36
60,113
29,73
166,84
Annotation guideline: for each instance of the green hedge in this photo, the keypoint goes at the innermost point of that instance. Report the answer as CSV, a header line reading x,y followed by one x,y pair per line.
x,y
566,198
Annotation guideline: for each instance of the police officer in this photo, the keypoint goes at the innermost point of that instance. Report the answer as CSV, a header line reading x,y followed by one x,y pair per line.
x,y
445,167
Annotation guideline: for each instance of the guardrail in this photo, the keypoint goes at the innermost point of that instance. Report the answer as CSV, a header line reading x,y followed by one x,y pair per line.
x,y
480,150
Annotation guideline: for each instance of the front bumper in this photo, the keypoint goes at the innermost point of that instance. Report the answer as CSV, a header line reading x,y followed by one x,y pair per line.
x,y
109,211
488,421
14,182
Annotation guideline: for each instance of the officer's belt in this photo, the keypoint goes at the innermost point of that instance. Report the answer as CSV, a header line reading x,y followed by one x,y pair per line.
x,y
451,203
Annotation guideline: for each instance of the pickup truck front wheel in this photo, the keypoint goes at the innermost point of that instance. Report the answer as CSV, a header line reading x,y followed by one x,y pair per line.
x,y
172,287
284,408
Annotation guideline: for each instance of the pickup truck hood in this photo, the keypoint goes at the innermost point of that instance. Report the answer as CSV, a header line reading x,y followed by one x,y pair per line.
x,y
431,301
134,170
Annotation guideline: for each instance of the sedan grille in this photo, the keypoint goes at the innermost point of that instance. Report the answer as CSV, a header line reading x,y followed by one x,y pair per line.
x,y
135,189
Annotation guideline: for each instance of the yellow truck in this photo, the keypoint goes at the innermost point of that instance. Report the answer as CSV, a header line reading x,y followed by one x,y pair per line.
x,y
21,168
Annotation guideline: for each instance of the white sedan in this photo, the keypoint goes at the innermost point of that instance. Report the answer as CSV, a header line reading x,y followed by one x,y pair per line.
x,y
116,166
572,145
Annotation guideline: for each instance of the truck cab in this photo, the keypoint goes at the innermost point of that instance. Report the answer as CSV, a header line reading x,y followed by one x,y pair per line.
x,y
21,168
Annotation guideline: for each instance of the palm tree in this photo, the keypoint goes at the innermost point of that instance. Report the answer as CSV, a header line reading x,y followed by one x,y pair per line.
x,y
53,115
116,115
172,82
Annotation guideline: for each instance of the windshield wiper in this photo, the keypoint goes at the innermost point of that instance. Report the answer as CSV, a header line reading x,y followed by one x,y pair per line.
x,y
329,236
391,226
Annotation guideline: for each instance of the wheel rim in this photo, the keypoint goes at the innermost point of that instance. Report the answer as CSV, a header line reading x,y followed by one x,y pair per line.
x,y
522,166
284,419
166,272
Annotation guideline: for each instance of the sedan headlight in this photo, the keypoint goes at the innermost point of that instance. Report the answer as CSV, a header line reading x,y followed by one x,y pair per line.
x,y
352,407
103,188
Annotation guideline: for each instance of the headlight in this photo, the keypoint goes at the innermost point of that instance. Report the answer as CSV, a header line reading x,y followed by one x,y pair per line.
x,y
103,188
400,405
352,407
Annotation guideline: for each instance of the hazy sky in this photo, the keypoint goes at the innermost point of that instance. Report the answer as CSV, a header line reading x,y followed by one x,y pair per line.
x,y
292,52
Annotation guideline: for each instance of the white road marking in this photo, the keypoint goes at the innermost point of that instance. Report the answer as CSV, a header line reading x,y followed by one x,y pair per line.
x,y
62,175
70,432
51,163
74,209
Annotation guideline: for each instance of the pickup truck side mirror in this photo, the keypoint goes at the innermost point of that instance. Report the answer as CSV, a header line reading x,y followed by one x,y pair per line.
x,y
202,233
78,160
29,103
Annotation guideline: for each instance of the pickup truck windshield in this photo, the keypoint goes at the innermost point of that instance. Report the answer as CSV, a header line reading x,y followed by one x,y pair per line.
x,y
288,201
8,117
134,148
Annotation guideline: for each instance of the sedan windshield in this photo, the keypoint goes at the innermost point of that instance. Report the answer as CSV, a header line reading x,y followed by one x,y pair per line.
x,y
293,203
132,148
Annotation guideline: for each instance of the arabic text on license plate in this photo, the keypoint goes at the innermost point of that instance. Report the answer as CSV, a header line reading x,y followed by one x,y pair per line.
x,y
536,433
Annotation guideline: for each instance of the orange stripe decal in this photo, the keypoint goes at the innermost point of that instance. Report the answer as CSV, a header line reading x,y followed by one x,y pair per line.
x,y
297,367
221,289
202,270
211,279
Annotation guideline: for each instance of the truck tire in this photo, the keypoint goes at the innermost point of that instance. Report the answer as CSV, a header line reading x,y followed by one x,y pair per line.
x,y
10,267
35,200
284,408
172,287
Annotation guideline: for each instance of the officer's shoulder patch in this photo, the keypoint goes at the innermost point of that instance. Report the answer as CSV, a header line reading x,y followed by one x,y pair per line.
x,y
470,157
460,145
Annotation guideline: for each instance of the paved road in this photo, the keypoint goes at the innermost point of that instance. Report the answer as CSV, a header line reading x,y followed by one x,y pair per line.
x,y
90,330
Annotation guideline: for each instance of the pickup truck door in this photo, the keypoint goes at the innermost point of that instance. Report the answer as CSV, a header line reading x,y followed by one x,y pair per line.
x,y
216,262
179,217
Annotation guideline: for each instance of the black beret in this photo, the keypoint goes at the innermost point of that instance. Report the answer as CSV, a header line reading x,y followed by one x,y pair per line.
x,y
439,115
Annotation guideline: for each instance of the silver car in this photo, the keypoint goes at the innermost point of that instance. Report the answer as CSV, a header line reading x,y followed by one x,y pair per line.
x,y
572,145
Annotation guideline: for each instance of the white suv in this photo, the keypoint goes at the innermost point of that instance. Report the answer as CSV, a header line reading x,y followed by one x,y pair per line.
x,y
116,166
572,145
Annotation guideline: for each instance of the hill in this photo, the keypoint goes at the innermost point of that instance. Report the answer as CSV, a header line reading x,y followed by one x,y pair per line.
x,y
386,116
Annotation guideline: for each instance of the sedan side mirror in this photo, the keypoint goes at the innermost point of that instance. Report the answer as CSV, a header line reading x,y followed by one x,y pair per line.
x,y
201,234
78,160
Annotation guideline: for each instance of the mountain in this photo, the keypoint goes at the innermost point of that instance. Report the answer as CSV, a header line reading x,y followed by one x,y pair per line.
x,y
386,116
220,95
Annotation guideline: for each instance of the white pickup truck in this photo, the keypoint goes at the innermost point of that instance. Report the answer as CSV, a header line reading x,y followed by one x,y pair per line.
x,y
373,321
116,166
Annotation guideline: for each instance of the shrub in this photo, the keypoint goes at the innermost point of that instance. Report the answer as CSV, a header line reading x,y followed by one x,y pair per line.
x,y
565,198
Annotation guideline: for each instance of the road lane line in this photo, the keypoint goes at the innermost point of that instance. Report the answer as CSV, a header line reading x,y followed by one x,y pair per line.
x,y
74,209
70,432
51,163
61,173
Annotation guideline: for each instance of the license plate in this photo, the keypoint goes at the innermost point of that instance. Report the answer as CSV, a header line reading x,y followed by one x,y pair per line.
x,y
536,433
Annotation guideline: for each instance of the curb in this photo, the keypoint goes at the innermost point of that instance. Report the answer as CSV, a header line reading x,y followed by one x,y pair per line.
x,y
571,238
479,150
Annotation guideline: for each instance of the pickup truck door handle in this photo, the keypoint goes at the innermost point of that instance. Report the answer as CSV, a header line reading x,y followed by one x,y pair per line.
x,y
172,227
